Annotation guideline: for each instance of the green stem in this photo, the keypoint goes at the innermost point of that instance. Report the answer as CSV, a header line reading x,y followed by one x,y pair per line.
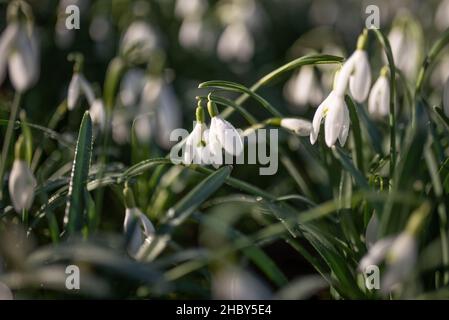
x,y
392,117
7,141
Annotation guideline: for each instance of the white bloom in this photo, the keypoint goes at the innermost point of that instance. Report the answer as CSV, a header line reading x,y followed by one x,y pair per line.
x,y
236,43
18,48
139,41
168,116
405,50
357,71
120,126
131,87
400,255
336,125
185,9
223,135
78,84
303,88
196,150
143,229
142,127
379,98
441,14
299,126
98,113
446,98
21,185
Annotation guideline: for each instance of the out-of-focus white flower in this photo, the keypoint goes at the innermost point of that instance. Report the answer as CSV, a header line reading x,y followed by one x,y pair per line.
x,y
193,34
143,127
136,225
139,41
5,292
97,113
19,50
303,88
168,116
371,234
21,180
299,126
379,98
357,71
186,9
79,85
120,126
336,126
131,87
441,15
236,43
236,284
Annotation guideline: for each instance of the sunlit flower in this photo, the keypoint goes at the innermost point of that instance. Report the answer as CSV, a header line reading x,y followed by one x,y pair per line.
x,y
21,180
19,50
304,88
79,85
196,144
336,124
379,98
223,135
97,113
299,126
236,43
139,41
136,225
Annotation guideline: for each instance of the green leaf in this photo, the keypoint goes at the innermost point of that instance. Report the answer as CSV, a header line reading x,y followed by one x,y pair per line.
x,y
75,207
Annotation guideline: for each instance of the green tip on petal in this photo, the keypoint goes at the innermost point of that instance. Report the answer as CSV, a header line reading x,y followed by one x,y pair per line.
x,y
362,40
211,107
200,113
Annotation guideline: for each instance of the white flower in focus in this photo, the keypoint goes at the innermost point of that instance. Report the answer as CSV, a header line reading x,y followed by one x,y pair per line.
x,y
79,85
299,126
143,229
357,71
303,88
223,135
196,147
236,43
98,113
131,87
139,41
336,125
19,49
379,98
21,180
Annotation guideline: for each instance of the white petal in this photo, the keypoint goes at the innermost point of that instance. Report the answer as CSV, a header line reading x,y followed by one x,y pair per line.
x,y
131,87
139,40
73,92
360,80
379,98
345,128
374,99
21,185
335,120
87,90
376,253
299,126
7,42
97,113
236,43
168,116
319,115
23,64
342,77
229,137
143,229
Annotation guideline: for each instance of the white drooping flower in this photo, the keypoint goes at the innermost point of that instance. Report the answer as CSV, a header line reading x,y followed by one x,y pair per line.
x,y
131,87
136,225
357,71
97,113
21,180
441,14
223,135
196,149
168,116
303,88
79,85
19,50
379,98
299,126
236,43
186,9
336,124
139,41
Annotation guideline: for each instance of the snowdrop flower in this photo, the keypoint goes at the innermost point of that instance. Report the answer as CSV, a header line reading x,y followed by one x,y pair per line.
x,y
79,85
131,87
303,88
168,116
379,98
185,9
138,42
299,126
196,147
222,135
97,113
236,43
136,225
441,14
399,252
336,124
21,180
18,50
